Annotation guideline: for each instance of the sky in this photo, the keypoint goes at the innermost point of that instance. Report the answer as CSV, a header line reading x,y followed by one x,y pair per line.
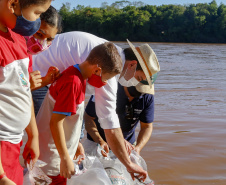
x,y
97,3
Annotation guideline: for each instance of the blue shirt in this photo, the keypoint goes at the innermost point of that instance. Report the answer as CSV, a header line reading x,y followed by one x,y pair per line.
x,y
142,110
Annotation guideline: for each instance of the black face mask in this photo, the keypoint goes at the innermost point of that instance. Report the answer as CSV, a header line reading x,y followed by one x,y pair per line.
x,y
133,92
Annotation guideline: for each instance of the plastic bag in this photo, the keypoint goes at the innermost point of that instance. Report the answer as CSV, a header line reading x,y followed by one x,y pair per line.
x,y
137,159
79,169
35,176
116,171
95,175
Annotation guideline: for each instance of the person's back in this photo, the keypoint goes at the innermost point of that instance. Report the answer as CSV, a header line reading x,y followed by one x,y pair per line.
x,y
67,49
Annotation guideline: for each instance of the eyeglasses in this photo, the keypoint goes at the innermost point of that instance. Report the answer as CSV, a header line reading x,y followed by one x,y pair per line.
x,y
153,78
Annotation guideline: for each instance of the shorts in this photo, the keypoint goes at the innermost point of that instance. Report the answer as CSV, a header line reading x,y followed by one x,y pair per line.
x,y
58,180
10,161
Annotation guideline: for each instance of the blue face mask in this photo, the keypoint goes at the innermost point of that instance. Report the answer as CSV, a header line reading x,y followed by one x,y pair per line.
x,y
25,27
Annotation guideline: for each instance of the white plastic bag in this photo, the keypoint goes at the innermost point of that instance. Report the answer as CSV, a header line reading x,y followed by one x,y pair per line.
x,y
35,176
94,175
116,171
79,169
137,159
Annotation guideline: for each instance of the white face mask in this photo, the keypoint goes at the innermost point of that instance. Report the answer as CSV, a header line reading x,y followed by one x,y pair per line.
x,y
131,82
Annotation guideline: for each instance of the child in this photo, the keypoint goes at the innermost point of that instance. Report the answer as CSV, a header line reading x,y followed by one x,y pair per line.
x,y
60,117
51,24
15,97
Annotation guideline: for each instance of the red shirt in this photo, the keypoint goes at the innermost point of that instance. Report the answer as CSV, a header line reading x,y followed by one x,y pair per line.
x,y
68,90
13,47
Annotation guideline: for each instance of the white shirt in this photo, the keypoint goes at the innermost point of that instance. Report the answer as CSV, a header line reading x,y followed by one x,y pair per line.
x,y
15,100
73,48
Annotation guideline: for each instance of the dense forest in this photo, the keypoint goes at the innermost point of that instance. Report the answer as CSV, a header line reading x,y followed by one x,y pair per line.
x,y
192,23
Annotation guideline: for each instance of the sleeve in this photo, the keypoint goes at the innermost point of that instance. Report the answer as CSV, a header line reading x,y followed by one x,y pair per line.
x,y
90,108
147,115
66,98
105,103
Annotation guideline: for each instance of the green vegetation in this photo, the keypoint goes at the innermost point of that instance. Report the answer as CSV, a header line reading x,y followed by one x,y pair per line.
x,y
199,23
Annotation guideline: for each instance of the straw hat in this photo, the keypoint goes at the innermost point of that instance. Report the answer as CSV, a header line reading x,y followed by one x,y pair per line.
x,y
149,64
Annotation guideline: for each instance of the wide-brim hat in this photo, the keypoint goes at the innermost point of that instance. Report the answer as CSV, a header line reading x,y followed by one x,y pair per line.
x,y
149,64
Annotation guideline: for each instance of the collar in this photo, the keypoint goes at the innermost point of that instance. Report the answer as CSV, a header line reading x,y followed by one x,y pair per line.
x,y
77,67
7,35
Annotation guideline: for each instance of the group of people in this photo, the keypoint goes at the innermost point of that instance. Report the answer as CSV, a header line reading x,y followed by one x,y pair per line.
x,y
44,78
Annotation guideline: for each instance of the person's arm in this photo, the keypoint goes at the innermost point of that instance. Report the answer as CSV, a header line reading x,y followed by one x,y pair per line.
x,y
4,180
116,142
31,149
38,82
105,104
57,130
143,136
93,132
105,100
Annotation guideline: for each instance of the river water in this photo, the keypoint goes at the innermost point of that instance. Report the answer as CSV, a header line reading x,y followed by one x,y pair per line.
x,y
188,144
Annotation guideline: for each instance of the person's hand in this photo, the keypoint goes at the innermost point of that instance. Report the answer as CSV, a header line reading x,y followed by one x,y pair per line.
x,y
6,181
31,150
67,168
80,152
35,79
105,147
52,75
129,147
137,172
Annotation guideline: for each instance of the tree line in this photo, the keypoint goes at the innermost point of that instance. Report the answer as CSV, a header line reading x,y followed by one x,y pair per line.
x,y
192,23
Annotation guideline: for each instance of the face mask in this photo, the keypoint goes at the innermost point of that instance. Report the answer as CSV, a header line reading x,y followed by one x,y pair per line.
x,y
133,92
96,81
35,46
131,82
25,27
